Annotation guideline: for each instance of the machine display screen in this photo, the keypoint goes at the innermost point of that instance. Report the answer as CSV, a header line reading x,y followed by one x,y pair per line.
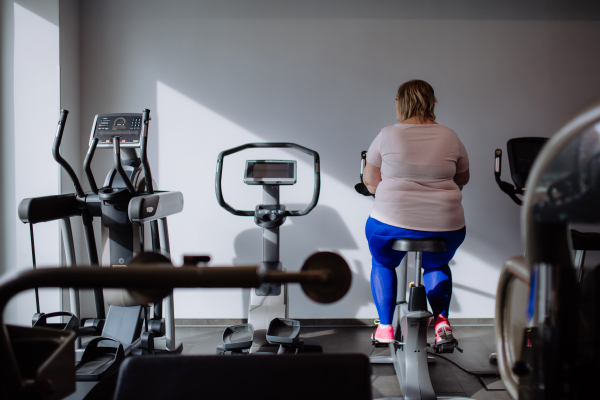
x,y
282,172
271,170
127,126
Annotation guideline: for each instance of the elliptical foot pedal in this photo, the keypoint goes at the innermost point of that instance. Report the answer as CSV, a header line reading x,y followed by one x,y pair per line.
x,y
98,362
283,331
40,320
237,339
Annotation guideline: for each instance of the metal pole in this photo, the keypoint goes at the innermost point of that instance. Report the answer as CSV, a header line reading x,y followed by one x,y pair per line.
x,y
271,235
579,261
168,303
70,261
418,262
37,292
402,274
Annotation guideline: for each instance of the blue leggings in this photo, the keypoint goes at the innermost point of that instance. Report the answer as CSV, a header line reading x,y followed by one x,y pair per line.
x,y
437,277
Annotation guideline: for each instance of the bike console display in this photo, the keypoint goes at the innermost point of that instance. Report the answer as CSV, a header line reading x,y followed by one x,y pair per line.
x,y
270,172
127,126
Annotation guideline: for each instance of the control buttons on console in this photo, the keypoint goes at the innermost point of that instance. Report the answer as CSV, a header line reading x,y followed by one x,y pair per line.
x,y
136,123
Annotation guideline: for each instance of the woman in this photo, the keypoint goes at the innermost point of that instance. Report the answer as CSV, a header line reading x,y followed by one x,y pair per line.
x,y
417,169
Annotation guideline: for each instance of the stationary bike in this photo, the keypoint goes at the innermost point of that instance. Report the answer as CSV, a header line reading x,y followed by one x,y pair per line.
x,y
522,153
411,319
552,353
268,322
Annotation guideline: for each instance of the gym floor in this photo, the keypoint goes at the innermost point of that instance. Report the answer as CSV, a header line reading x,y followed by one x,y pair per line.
x,y
448,379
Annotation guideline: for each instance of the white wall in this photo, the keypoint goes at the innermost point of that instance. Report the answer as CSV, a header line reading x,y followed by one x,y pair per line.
x,y
30,66
216,75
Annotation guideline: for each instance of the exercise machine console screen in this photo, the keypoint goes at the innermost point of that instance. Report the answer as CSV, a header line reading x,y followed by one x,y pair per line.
x,y
270,172
127,126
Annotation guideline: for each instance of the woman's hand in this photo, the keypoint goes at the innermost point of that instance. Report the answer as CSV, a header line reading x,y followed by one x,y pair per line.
x,y
371,177
462,179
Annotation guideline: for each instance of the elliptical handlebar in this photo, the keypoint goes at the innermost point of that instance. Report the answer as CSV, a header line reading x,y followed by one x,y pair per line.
x,y
144,151
87,165
119,165
250,213
506,187
56,153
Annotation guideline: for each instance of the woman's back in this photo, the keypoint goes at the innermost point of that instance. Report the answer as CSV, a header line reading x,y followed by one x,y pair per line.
x,y
418,163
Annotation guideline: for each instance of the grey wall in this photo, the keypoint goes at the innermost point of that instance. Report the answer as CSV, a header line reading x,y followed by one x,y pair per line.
x,y
30,103
323,74
6,138
69,27
217,74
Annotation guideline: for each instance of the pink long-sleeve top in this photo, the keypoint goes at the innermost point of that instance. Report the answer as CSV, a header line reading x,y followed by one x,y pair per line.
x,y
418,164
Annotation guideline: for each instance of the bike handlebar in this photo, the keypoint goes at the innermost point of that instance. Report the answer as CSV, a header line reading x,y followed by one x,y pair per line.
x,y
250,213
506,187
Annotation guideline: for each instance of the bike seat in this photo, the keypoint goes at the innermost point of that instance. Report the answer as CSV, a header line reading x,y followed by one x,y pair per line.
x,y
585,240
431,245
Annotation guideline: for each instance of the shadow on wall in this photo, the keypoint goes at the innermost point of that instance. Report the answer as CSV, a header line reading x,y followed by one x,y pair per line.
x,y
330,84
322,229
289,73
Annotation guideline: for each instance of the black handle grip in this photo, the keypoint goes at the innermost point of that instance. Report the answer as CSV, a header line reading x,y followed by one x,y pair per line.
x,y
361,187
56,152
363,163
47,208
272,145
506,187
144,151
87,165
498,163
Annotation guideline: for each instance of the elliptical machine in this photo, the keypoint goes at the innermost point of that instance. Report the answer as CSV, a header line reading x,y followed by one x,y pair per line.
x,y
125,203
268,321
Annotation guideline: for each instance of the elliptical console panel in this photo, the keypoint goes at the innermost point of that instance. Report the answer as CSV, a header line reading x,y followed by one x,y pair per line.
x,y
270,172
127,126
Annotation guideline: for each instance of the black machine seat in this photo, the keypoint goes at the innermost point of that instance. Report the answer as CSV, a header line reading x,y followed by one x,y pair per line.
x,y
431,245
290,377
585,240
522,152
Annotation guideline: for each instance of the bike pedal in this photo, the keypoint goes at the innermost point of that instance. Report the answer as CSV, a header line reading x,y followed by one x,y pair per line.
x,y
378,344
446,346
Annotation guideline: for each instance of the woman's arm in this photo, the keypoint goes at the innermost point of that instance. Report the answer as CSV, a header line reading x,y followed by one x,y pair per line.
x,y
371,177
462,179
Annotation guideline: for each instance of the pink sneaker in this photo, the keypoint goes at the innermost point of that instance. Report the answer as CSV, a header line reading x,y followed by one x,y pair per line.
x,y
443,330
383,334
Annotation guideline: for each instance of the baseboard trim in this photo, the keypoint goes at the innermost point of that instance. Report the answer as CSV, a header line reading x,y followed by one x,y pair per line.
x,y
316,322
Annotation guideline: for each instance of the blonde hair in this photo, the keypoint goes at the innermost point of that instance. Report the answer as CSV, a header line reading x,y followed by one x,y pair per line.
x,y
416,99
